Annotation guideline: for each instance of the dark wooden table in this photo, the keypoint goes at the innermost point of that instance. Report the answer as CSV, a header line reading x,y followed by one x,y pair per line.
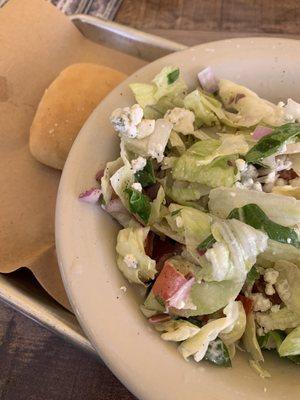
x,y
34,363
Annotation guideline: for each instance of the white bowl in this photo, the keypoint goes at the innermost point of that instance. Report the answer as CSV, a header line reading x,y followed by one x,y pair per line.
x,y
86,237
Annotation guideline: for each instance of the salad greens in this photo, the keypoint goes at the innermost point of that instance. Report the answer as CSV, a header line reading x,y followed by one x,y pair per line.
x,y
207,191
139,204
272,143
146,176
252,215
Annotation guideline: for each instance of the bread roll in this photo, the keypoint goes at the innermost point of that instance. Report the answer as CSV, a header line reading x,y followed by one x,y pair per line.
x,y
64,108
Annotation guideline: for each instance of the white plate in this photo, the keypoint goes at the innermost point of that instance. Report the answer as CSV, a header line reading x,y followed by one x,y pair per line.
x,y
86,237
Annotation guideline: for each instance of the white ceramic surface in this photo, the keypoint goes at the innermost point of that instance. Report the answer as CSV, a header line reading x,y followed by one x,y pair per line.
x,y
86,236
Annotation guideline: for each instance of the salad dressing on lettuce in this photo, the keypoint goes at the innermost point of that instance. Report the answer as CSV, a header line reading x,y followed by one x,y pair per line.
x,y
206,189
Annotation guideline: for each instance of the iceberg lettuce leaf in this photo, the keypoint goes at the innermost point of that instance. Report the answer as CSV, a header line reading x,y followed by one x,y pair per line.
x,y
291,344
284,211
130,241
197,345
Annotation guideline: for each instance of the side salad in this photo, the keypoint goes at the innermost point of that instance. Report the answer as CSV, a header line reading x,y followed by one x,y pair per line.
x,y
207,190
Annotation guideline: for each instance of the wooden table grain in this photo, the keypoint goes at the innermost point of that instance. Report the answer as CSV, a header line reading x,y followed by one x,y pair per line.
x,y
34,363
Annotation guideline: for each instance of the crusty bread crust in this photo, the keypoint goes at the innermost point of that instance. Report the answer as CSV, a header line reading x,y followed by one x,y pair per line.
x,y
64,108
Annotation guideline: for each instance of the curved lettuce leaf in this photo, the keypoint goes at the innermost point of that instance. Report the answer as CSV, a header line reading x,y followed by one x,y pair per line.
x,y
155,214
279,251
130,242
153,145
249,109
291,344
238,329
182,191
250,340
110,169
167,83
208,161
197,345
200,104
284,211
177,330
122,179
220,172
224,275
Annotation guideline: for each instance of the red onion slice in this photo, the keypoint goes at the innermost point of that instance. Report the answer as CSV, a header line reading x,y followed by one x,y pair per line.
x,y
178,299
156,319
208,80
90,196
261,131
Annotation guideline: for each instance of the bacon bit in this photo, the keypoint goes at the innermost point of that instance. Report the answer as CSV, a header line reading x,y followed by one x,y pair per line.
x,y
99,175
156,319
238,97
148,245
247,303
163,247
259,287
151,191
204,318
161,262
168,282
288,174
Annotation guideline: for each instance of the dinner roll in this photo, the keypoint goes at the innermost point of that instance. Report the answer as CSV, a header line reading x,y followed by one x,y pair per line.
x,y
64,108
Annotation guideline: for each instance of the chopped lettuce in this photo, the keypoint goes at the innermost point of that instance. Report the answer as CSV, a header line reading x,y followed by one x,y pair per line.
x,y
110,169
210,161
139,204
168,83
181,191
224,274
283,211
130,243
279,251
199,103
122,179
146,176
197,345
176,142
272,143
156,206
238,329
291,344
235,251
254,216
248,109
153,145
177,330
250,340
220,172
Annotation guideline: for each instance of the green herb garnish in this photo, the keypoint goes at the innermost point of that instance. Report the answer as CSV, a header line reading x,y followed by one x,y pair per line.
x,y
139,204
271,144
206,244
173,76
254,216
146,176
218,354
